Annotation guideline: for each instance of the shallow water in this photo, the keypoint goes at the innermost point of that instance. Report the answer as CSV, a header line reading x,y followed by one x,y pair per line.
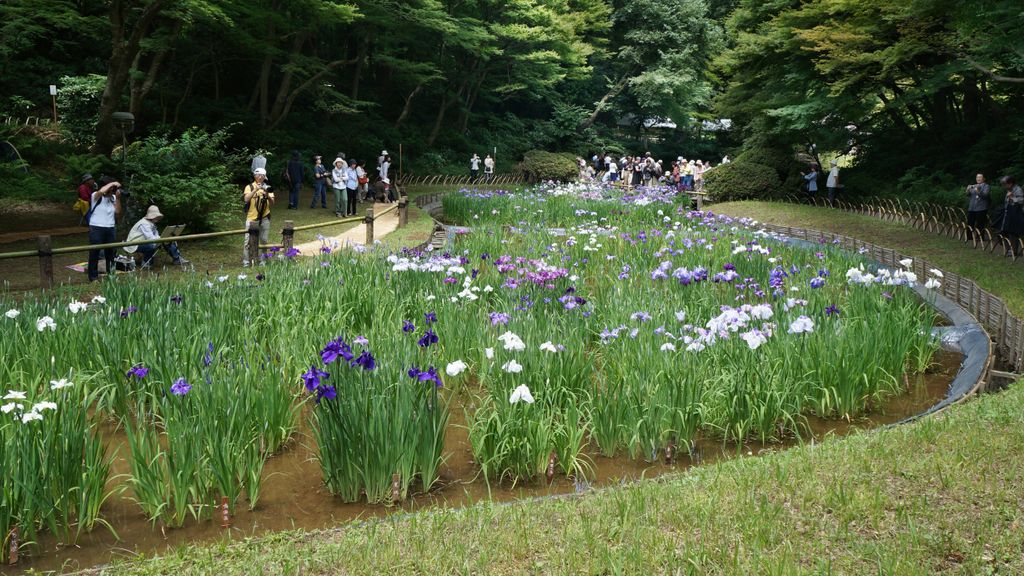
x,y
294,497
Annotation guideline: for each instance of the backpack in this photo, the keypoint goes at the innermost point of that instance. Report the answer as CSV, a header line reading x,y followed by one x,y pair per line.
x,y
92,208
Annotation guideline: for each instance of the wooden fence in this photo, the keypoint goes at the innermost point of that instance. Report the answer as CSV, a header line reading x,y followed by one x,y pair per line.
x,y
509,179
45,252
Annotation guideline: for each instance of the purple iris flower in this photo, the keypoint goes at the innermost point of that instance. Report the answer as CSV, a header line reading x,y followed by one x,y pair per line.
x,y
499,318
139,371
334,349
408,326
817,282
208,357
728,266
428,338
327,392
831,309
428,375
180,387
292,253
177,298
361,340
430,318
312,377
125,312
366,360
260,277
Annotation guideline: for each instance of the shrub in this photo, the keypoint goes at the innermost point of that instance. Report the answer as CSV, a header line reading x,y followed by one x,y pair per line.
x,y
188,177
740,181
79,102
780,160
540,165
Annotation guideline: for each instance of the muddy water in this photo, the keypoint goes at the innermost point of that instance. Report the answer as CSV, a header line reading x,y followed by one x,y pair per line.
x,y
294,497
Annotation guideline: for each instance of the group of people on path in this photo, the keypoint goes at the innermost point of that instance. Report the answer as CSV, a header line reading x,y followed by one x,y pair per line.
x,y
348,178
644,170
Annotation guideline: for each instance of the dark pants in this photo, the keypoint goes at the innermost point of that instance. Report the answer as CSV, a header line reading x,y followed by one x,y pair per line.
x,y
148,252
831,195
352,201
293,196
319,191
978,219
473,175
99,235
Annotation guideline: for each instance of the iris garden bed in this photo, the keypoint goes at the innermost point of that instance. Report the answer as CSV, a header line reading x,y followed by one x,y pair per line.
x,y
639,331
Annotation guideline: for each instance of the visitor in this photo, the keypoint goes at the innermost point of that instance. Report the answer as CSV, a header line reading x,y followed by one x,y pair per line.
x,y
474,168
293,176
363,179
725,159
380,163
352,187
488,169
1011,222
811,180
687,174
612,175
319,183
145,229
257,199
674,179
832,182
339,177
85,190
977,205
596,162
104,207
638,171
698,175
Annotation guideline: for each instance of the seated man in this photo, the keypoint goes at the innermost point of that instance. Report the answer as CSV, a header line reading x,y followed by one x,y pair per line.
x,y
145,229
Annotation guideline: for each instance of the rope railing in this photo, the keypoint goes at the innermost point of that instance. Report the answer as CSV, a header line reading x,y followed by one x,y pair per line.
x,y
45,250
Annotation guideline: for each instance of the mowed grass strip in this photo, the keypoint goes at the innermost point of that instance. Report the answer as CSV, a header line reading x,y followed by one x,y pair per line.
x,y
938,496
992,271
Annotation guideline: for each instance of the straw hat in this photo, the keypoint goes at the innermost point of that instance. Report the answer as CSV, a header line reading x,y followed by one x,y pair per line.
x,y
153,213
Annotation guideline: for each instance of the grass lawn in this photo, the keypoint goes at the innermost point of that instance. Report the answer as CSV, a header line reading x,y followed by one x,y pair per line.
x,y
938,496
995,273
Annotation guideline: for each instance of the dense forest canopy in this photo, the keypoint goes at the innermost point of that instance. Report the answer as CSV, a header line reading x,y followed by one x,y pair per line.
x,y
914,96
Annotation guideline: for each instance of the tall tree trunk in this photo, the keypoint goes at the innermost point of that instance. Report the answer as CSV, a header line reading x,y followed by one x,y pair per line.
x,y
407,108
364,46
439,119
140,90
602,104
284,88
307,84
123,53
470,101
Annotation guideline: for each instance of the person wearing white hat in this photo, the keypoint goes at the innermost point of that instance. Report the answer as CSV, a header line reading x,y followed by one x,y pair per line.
x,y
257,200
339,177
145,229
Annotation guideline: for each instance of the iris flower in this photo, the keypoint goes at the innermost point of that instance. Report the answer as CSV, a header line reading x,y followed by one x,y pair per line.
x,y
139,371
12,313
455,368
180,387
60,384
75,306
366,360
831,309
521,394
430,317
427,339
312,377
46,322
802,325
512,367
408,326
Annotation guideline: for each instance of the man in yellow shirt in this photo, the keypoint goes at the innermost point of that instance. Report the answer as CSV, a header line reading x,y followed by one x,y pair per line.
x,y
257,199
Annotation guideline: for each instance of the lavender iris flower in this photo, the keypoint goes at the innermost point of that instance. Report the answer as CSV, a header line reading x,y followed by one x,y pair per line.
x,y
180,387
499,318
139,371
313,377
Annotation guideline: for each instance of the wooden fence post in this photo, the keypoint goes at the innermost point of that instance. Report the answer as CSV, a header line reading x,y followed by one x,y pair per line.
x,y
288,235
254,242
403,211
45,247
369,227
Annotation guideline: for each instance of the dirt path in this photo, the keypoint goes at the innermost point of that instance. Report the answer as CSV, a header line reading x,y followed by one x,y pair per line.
x,y
19,236
382,226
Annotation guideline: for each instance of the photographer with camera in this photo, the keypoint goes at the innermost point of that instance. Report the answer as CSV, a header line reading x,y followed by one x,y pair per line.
x,y
257,199
977,204
104,208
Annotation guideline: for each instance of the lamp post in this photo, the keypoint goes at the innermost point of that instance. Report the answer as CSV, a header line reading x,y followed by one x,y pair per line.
x,y
125,122
53,95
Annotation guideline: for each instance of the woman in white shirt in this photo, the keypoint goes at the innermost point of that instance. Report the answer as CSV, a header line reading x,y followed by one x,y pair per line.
x,y
104,207
338,177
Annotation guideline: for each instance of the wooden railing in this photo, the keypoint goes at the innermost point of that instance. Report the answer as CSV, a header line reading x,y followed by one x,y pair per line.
x,y
45,250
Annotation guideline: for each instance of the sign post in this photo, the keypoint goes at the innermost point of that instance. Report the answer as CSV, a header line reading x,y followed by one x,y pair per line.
x,y
53,95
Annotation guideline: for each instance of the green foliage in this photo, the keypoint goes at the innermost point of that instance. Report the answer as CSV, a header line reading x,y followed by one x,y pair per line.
x,y
190,177
79,100
741,181
558,166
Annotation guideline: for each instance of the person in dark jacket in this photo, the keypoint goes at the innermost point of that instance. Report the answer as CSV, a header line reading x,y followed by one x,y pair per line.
x,y
293,174
977,204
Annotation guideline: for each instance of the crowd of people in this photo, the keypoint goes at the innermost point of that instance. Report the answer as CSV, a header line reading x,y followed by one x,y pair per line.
x,y
631,171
